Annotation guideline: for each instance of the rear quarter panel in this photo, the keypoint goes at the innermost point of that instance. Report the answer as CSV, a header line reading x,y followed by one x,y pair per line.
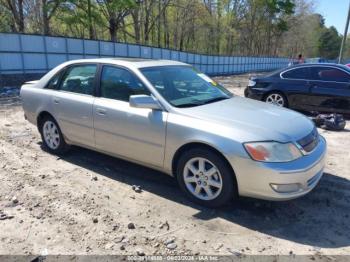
x,y
266,85
296,91
34,101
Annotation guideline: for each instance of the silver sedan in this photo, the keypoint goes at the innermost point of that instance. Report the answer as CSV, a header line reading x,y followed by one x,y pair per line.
x,y
168,116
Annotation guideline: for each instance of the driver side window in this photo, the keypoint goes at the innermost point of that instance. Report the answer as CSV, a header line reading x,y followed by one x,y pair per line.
x,y
120,84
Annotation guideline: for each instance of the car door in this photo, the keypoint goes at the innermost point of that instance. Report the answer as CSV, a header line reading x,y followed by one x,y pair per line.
x,y
295,83
330,89
134,133
72,102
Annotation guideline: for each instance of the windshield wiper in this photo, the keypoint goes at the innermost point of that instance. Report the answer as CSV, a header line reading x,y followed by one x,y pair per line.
x,y
215,100
199,103
190,105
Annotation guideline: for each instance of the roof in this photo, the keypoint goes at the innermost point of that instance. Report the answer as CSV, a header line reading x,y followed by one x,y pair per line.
x,y
339,66
130,62
315,64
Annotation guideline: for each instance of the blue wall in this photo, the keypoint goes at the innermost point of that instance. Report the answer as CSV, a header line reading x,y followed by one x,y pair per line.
x,y
21,53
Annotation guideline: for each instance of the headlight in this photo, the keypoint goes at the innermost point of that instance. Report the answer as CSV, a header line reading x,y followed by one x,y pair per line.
x,y
272,151
251,83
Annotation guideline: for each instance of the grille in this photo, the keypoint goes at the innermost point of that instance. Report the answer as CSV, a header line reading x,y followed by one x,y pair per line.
x,y
309,142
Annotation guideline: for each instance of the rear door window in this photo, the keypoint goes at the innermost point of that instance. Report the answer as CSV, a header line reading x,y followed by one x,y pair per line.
x,y
79,79
298,73
331,74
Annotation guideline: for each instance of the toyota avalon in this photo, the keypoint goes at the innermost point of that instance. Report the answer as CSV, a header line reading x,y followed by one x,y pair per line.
x,y
168,116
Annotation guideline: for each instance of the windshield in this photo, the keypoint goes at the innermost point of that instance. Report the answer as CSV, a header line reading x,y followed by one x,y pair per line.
x,y
183,86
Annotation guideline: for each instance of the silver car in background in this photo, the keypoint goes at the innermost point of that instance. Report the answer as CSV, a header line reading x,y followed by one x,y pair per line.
x,y
170,117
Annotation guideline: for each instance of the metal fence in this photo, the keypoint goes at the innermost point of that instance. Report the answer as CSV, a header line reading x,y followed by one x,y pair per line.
x,y
22,53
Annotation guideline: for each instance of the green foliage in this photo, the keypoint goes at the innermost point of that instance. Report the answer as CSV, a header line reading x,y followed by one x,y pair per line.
x,y
115,5
5,19
329,43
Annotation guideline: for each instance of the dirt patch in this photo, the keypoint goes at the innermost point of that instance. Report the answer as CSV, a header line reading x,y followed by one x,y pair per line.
x,y
86,203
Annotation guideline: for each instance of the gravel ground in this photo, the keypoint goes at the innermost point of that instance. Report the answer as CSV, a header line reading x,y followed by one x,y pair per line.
x,y
84,203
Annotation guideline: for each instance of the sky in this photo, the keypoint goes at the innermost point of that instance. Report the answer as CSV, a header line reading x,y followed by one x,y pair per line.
x,y
334,12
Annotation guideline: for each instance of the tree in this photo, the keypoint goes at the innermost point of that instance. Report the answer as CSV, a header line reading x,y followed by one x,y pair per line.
x,y
86,14
6,24
115,11
146,16
15,9
329,43
48,9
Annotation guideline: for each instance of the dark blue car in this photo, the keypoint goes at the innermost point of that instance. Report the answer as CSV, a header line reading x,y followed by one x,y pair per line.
x,y
306,87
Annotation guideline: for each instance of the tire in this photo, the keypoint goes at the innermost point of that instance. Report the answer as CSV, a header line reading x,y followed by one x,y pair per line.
x,y
52,136
276,98
222,185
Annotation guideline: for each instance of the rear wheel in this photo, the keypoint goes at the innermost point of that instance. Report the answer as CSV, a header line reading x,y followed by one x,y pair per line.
x,y
51,136
206,178
276,98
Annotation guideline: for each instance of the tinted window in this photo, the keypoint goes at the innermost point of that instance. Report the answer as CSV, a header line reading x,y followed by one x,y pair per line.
x,y
329,74
299,73
79,79
120,84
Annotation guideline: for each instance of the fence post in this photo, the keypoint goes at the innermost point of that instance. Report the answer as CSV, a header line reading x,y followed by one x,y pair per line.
x,y
84,48
21,50
99,48
66,47
45,52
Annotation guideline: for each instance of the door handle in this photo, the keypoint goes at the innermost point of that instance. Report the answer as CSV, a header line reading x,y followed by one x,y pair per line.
x,y
56,100
101,111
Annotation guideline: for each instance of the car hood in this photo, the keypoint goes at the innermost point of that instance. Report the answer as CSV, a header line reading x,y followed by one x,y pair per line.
x,y
255,120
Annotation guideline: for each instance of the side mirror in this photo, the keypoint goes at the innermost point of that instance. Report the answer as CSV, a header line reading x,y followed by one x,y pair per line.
x,y
144,101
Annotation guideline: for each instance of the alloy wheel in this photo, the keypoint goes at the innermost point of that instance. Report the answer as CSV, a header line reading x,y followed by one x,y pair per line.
x,y
275,99
202,178
51,135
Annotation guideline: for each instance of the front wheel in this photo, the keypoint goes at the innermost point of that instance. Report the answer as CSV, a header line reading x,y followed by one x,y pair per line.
x,y
277,99
206,178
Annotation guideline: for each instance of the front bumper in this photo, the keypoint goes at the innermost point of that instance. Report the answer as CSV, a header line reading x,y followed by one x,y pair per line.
x,y
259,179
254,93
